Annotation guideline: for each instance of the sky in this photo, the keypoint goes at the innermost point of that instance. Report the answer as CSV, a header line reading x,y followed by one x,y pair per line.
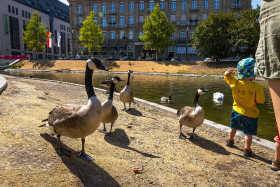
x,y
254,3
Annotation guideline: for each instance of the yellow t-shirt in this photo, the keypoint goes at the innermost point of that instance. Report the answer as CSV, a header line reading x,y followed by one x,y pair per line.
x,y
245,95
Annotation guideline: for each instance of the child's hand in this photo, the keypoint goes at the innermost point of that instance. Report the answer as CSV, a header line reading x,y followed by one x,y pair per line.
x,y
229,71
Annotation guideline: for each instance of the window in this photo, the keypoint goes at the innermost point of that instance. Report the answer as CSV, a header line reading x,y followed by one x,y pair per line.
x,y
113,8
122,7
121,21
104,8
80,20
113,35
104,34
141,19
94,7
79,9
173,35
152,5
183,5
131,8
95,19
130,35
236,4
16,11
192,32
182,34
9,8
130,51
216,4
141,5
26,15
205,4
140,34
173,6
113,20
162,4
29,15
194,4
13,9
130,21
103,21
121,34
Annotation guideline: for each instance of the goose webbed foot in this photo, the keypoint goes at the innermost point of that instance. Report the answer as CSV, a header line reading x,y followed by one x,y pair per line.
x,y
64,152
85,157
182,136
191,137
109,134
103,131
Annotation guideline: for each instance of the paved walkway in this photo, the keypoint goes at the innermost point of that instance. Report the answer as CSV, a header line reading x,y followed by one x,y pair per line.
x,y
3,84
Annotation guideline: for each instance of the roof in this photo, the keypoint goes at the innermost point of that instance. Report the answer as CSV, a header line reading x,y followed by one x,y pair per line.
x,y
60,10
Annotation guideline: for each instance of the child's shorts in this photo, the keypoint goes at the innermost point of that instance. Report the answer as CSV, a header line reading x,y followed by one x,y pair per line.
x,y
277,138
247,124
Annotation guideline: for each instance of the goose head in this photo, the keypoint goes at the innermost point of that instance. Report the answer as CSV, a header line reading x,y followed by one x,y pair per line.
x,y
130,71
202,91
95,63
116,79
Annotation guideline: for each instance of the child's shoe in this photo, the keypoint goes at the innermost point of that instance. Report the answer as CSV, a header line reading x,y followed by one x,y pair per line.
x,y
248,152
230,143
275,166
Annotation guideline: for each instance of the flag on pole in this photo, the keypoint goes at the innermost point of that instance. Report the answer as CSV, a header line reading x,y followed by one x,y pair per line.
x,y
49,40
58,39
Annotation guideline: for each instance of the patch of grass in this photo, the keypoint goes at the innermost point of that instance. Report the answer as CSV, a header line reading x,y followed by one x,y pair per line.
x,y
17,65
183,72
111,64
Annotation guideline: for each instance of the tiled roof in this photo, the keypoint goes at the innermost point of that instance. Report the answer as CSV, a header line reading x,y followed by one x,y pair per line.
x,y
61,11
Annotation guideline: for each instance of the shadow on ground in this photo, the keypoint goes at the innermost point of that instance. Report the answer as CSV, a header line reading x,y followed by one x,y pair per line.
x,y
89,173
119,138
135,112
213,64
43,64
177,63
209,145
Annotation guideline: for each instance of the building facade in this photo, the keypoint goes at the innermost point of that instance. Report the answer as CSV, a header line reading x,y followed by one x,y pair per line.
x,y
15,14
122,23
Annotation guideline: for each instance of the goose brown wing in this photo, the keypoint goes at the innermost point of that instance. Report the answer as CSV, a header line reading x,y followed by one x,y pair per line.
x,y
185,110
62,114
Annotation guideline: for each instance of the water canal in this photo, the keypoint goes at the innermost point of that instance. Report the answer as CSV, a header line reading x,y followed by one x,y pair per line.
x,y
151,88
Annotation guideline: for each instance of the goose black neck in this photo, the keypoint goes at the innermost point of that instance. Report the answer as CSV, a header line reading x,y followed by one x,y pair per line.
x,y
112,89
170,97
127,83
88,82
196,100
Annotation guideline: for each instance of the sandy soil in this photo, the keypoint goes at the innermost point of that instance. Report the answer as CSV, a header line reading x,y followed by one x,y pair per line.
x,y
144,138
138,66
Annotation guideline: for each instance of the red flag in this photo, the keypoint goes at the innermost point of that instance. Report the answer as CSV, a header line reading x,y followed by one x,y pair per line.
x,y
49,40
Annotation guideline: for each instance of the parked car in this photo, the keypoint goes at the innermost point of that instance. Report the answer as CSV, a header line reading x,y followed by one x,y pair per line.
x,y
111,58
127,58
209,59
150,59
82,58
174,59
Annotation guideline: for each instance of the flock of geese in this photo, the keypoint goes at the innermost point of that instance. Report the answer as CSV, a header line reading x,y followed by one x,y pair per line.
x,y
79,121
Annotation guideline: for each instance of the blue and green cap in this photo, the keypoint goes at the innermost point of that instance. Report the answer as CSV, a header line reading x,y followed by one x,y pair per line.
x,y
245,68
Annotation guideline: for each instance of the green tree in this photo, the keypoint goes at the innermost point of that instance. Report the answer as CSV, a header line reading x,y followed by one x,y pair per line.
x,y
91,34
157,31
35,34
212,38
246,33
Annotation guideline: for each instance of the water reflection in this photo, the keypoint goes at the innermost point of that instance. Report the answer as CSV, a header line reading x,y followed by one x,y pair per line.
x,y
183,90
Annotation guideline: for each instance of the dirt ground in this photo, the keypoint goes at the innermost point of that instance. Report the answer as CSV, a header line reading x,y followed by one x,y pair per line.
x,y
144,138
200,67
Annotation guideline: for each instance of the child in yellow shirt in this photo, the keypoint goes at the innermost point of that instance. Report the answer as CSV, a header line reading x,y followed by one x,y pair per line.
x,y
246,94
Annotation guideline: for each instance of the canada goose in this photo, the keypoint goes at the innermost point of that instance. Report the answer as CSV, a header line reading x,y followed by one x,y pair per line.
x,y
126,94
78,121
192,116
218,96
109,112
166,99
106,83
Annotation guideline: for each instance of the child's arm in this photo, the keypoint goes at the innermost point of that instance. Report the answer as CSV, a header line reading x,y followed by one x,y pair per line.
x,y
229,72
260,98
